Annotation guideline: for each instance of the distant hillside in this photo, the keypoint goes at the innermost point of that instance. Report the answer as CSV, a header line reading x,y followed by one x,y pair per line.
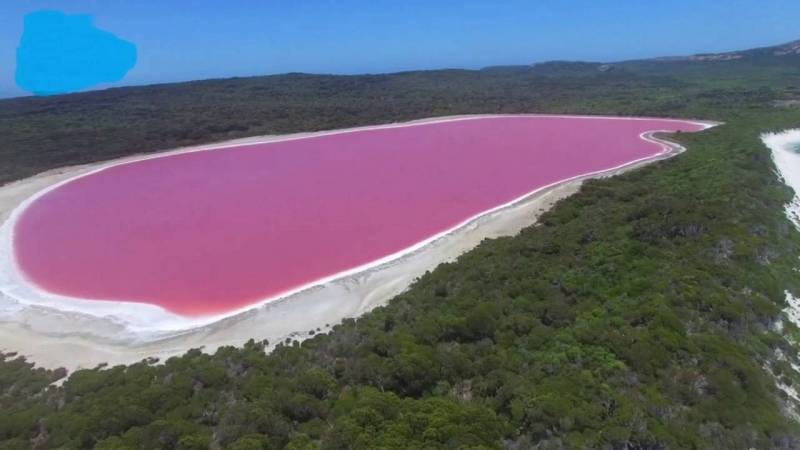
x,y
782,50
783,54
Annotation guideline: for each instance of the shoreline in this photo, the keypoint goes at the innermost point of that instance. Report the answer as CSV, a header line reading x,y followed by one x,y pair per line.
x,y
787,163
343,294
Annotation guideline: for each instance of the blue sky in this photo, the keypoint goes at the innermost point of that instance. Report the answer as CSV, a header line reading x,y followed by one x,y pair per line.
x,y
194,39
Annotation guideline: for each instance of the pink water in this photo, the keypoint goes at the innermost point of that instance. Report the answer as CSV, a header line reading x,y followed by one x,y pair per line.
x,y
210,232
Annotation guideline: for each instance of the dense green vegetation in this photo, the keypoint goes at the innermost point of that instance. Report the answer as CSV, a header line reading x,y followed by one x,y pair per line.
x,y
640,314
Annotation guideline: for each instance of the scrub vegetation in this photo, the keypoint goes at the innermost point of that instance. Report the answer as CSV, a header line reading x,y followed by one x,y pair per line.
x,y
642,313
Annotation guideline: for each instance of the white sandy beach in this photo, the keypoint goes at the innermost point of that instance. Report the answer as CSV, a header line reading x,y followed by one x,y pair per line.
x,y
784,146
787,161
788,164
74,333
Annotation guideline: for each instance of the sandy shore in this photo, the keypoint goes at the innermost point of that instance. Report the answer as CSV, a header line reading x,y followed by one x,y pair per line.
x,y
787,161
51,337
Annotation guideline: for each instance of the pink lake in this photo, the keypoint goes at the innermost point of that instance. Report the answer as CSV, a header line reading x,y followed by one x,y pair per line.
x,y
210,232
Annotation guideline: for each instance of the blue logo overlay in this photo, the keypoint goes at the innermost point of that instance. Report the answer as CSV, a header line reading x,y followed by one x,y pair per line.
x,y
59,53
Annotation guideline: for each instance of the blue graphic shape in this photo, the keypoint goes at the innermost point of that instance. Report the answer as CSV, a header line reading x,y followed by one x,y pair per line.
x,y
59,53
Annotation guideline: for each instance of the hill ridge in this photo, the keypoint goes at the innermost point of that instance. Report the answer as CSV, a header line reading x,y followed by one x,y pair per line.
x,y
785,49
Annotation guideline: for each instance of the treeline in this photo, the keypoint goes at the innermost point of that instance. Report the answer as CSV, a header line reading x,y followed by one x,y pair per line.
x,y
640,314
48,132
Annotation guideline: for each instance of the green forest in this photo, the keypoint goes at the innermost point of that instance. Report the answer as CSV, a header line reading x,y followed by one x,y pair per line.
x,y
639,313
